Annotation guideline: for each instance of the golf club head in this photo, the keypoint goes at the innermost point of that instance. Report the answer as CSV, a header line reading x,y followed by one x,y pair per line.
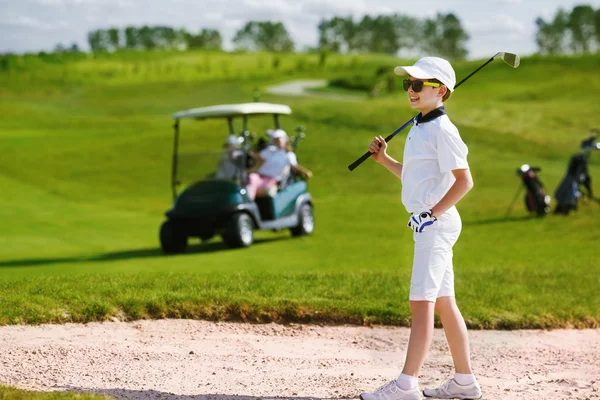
x,y
511,59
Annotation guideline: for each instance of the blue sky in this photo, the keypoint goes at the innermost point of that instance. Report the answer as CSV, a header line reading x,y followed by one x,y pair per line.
x,y
494,25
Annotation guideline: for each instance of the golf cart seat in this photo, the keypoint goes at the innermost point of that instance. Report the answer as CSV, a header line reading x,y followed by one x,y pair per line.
x,y
280,204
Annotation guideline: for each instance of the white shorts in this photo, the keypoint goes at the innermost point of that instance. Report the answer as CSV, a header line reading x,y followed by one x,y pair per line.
x,y
432,272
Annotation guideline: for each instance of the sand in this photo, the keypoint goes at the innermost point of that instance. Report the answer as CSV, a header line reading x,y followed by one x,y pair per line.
x,y
186,359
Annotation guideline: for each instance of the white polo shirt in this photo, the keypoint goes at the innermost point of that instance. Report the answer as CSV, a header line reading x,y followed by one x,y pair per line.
x,y
432,150
277,162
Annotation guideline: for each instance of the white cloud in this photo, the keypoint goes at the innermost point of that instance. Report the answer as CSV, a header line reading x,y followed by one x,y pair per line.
x,y
71,3
23,22
50,3
500,24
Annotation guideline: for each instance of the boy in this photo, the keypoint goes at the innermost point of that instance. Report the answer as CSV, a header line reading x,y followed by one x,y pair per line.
x,y
435,176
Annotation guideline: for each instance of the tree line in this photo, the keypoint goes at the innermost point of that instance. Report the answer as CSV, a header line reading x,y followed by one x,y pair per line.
x,y
442,35
389,34
577,31
152,37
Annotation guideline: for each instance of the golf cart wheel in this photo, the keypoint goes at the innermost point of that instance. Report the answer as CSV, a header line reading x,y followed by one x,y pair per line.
x,y
239,231
171,241
306,221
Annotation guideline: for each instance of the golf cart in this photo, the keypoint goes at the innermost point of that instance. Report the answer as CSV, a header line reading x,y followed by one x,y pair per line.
x,y
212,205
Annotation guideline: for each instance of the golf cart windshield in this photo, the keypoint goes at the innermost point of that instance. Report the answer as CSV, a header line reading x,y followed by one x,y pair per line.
x,y
202,150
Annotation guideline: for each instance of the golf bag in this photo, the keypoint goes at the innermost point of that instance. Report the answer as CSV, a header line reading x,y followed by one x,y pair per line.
x,y
536,199
577,183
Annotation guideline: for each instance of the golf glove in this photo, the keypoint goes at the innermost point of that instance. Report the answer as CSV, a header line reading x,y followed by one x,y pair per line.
x,y
422,221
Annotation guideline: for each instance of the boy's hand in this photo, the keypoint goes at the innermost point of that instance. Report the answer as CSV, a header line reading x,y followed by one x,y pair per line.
x,y
378,148
421,221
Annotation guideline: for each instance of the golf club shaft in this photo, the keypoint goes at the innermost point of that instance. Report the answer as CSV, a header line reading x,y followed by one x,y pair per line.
x,y
368,154
474,72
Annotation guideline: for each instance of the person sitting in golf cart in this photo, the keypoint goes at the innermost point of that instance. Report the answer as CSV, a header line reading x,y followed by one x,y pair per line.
x,y
273,165
230,163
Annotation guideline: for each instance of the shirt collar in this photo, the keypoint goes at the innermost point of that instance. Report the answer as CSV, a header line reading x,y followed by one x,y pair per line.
x,y
430,116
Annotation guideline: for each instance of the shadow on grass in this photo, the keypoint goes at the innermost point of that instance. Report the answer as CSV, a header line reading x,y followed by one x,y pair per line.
x,y
154,394
209,247
498,220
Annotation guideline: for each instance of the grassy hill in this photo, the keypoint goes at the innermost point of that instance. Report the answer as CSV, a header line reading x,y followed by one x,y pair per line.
x,y
85,178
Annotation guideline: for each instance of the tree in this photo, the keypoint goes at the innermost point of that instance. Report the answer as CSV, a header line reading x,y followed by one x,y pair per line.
x,y
331,36
113,38
597,28
573,31
59,48
581,23
98,40
263,36
384,38
445,36
339,34
207,39
550,36
131,37
376,35
408,31
146,38
163,37
392,33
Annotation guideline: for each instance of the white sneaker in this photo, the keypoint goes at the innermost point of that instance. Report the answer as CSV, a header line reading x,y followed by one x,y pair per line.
x,y
391,391
451,389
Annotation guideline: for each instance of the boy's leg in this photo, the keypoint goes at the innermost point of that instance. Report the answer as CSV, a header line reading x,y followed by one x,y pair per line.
x,y
421,333
463,384
432,254
456,333
406,386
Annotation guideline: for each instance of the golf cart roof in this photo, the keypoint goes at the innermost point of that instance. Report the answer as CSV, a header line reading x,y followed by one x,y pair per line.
x,y
233,110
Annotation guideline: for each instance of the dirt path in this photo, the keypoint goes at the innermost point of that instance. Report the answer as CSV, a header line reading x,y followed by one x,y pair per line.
x,y
301,88
183,359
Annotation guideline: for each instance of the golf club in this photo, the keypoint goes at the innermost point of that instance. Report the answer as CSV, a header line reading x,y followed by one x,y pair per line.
x,y
509,58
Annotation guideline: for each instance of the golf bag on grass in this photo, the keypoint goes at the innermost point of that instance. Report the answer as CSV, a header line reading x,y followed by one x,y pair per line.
x,y
577,183
536,199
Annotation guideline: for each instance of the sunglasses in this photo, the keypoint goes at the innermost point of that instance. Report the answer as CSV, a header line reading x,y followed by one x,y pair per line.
x,y
417,86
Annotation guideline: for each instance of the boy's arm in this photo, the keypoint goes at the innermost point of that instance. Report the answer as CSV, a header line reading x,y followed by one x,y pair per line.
x,y
378,149
394,166
462,185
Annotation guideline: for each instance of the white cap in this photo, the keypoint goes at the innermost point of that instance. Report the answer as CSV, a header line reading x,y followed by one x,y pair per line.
x,y
277,133
431,68
233,140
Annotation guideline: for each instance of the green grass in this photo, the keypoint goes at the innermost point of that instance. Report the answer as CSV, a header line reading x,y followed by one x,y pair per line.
x,y
10,393
85,175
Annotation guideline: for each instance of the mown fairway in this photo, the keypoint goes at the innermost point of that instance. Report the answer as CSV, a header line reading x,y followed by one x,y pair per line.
x,y
85,175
